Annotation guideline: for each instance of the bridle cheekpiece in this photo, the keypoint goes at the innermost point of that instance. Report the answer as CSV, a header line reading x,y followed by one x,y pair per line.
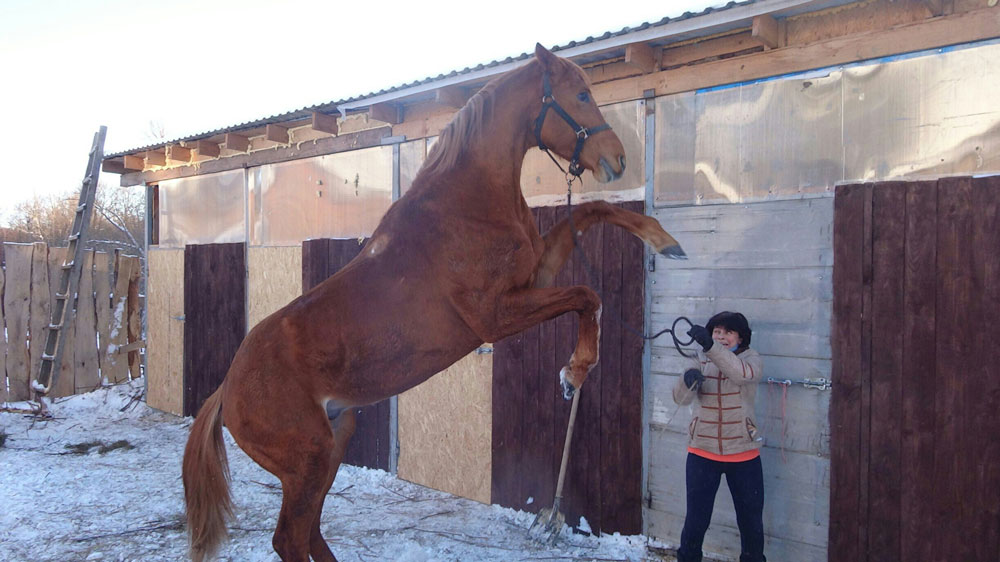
x,y
582,133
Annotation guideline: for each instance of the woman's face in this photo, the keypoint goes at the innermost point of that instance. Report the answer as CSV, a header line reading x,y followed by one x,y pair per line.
x,y
727,338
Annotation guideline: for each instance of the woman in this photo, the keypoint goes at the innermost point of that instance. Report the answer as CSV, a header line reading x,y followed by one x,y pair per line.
x,y
723,436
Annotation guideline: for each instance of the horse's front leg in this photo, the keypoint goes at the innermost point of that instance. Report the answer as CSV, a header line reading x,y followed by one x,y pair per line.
x,y
521,309
559,240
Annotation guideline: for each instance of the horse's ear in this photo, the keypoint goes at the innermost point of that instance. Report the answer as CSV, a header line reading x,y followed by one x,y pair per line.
x,y
544,56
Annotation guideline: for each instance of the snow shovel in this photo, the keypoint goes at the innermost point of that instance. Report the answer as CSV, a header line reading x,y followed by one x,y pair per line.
x,y
549,522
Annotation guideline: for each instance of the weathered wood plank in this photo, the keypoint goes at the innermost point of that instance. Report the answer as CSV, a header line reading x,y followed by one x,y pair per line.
x,y
103,272
17,311
215,317
40,305
84,350
845,408
4,395
918,321
888,236
132,308
982,397
115,366
954,459
64,379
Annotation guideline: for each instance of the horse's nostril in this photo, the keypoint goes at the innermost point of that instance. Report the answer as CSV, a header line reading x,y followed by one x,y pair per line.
x,y
621,161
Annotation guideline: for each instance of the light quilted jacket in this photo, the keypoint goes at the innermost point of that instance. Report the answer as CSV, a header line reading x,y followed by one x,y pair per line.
x,y
724,422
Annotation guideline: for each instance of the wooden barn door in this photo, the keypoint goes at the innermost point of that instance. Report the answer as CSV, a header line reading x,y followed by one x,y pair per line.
x,y
604,475
915,411
214,317
370,445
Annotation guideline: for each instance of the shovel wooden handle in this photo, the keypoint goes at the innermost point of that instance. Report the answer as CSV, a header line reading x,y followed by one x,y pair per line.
x,y
565,455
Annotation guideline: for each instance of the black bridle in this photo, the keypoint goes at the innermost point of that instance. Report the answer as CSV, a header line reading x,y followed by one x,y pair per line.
x,y
582,133
575,170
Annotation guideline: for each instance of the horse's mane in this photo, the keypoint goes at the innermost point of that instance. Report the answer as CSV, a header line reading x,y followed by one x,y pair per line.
x,y
466,125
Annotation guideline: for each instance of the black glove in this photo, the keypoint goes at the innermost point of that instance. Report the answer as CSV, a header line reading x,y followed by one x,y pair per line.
x,y
693,379
701,335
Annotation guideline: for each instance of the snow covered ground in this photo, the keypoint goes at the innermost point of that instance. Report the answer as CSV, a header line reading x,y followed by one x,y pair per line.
x,y
101,481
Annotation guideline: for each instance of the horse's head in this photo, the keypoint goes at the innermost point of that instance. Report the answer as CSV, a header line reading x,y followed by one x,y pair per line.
x,y
570,124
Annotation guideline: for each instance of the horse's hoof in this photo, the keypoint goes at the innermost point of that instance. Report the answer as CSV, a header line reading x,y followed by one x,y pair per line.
x,y
674,252
568,389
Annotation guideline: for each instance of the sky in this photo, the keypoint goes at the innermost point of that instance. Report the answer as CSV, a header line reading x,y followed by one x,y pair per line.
x,y
126,503
67,67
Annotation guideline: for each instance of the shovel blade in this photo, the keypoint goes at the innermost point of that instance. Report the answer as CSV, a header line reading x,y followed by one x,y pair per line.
x,y
547,525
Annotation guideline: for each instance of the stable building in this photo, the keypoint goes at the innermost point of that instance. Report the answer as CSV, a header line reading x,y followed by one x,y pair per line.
x,y
828,166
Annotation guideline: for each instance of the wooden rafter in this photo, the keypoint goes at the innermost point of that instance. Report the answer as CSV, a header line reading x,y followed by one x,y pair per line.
x,y
385,112
276,133
324,123
643,56
155,158
177,153
451,96
236,142
132,162
205,148
113,167
767,30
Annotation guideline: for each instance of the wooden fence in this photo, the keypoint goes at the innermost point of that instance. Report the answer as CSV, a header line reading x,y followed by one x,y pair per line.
x,y
98,341
915,408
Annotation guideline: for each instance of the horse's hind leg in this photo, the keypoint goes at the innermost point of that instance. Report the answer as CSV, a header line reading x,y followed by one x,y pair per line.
x,y
343,427
559,240
301,448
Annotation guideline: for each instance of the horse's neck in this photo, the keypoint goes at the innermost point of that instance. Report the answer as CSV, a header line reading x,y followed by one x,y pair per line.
x,y
497,154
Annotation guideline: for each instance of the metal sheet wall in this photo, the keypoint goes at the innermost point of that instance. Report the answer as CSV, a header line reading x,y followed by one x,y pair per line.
x,y
916,116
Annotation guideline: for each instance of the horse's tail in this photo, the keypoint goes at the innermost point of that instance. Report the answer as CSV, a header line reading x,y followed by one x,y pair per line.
x,y
206,481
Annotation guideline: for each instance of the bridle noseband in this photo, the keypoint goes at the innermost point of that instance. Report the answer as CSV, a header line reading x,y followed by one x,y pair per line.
x,y
582,133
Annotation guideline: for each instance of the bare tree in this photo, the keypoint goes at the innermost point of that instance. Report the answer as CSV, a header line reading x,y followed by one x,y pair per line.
x,y
119,221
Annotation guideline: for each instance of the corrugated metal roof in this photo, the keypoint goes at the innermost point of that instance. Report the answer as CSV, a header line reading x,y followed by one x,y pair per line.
x,y
306,112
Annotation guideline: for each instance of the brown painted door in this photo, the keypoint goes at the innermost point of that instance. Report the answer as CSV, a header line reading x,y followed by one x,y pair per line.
x,y
915,409
370,445
604,475
214,317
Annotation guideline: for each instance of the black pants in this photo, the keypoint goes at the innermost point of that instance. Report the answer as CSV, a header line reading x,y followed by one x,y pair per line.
x,y
746,483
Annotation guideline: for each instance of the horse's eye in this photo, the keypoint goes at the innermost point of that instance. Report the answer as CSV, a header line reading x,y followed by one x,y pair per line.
x,y
583,96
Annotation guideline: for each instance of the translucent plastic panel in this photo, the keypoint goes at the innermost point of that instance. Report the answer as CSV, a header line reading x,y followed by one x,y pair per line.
x,y
926,115
340,195
923,116
790,140
411,156
202,210
540,177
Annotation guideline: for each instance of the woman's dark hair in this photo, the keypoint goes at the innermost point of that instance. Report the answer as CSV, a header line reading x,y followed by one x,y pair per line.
x,y
734,322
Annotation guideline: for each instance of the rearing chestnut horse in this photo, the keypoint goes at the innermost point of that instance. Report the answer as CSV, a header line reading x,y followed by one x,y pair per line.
x,y
456,262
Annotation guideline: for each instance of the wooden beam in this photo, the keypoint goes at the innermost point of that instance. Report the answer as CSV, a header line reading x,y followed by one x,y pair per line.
x,y
276,133
692,52
643,57
327,145
385,112
131,162
205,148
113,167
766,30
324,123
967,27
451,96
236,142
178,153
154,158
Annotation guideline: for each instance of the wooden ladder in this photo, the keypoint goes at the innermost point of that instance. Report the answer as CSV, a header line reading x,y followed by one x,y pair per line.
x,y
69,274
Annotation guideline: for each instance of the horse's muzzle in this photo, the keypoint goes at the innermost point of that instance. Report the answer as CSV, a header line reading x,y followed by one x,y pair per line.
x,y
607,173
